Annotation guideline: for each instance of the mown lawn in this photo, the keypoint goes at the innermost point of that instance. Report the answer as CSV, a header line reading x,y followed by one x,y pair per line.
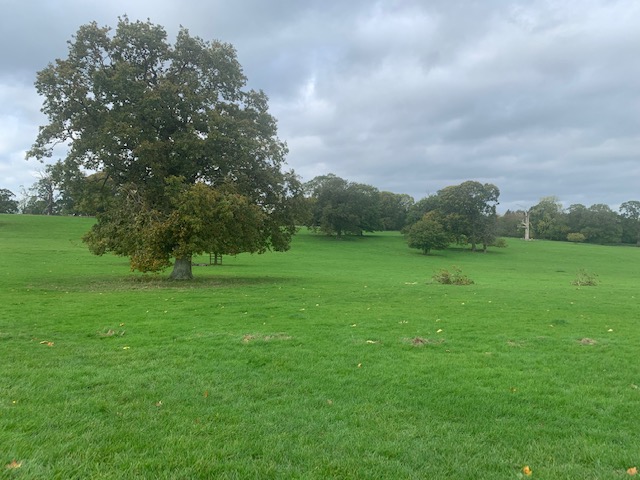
x,y
337,359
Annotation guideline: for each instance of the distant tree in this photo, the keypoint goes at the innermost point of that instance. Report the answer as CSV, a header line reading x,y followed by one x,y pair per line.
x,y
7,202
429,234
366,200
418,210
178,135
547,220
341,207
394,208
469,210
576,218
602,225
510,224
630,216
43,197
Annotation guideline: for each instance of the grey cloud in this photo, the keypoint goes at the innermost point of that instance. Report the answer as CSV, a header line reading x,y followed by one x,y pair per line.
x,y
540,98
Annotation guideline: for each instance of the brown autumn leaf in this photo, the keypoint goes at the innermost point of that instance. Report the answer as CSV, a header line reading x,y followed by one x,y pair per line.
x,y
206,393
526,470
632,471
13,465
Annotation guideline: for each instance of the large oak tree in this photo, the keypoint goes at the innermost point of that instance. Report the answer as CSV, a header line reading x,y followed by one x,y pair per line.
x,y
193,154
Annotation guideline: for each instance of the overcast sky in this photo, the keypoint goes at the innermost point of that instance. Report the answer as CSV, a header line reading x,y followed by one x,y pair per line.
x,y
537,97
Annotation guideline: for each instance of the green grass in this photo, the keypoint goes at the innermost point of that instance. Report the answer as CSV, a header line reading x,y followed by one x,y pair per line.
x,y
337,359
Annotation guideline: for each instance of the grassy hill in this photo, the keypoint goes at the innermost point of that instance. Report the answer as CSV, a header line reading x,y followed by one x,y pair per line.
x,y
337,359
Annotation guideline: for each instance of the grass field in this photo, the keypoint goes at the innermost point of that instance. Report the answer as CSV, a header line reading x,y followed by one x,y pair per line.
x,y
337,359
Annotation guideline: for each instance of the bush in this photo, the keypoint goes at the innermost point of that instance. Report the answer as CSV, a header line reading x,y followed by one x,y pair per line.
x,y
456,277
500,243
576,237
585,279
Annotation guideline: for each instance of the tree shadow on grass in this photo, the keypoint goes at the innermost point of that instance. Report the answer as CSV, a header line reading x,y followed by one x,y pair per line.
x,y
142,282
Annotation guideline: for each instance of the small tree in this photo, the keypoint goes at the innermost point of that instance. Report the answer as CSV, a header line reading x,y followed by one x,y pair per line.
x,y
428,234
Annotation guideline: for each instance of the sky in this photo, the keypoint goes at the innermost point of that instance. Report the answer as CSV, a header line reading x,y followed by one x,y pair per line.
x,y
538,97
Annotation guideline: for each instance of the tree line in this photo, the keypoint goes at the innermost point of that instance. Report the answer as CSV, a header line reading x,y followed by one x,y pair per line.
x,y
598,223
464,213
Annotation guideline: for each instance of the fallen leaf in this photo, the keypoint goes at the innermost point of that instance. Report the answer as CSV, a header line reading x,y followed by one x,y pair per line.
x,y
372,341
206,393
439,330
159,403
126,348
610,330
13,465
526,470
47,343
359,365
632,471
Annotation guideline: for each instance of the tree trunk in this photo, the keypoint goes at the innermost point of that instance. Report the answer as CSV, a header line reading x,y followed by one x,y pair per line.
x,y
181,269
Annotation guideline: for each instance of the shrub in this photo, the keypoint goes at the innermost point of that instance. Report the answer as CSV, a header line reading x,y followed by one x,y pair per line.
x,y
500,243
576,237
456,277
585,279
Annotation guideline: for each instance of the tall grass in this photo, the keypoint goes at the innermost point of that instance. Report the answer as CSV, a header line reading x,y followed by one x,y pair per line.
x,y
337,359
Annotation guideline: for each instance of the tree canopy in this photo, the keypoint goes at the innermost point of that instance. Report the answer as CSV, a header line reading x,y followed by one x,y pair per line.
x,y
630,213
469,210
7,202
428,234
192,155
339,207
